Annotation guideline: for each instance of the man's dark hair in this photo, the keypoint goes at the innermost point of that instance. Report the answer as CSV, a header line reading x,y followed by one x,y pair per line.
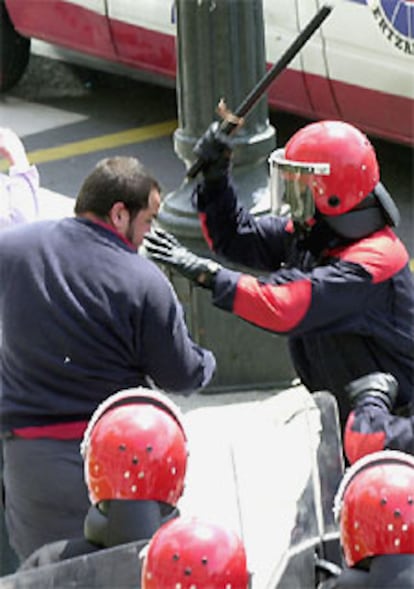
x,y
115,179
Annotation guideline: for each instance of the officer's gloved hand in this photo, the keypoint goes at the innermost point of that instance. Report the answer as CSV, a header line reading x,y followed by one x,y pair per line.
x,y
372,398
214,149
166,249
379,386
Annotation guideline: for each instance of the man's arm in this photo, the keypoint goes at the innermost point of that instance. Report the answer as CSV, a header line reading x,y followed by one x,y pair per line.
x,y
169,355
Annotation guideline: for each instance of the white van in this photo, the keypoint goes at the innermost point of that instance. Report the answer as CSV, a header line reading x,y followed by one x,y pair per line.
x,y
358,67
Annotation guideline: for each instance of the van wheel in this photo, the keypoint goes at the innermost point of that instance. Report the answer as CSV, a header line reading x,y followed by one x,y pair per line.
x,y
14,52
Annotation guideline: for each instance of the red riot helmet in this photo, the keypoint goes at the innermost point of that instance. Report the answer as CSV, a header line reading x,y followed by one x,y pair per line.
x,y
375,506
188,552
329,166
135,447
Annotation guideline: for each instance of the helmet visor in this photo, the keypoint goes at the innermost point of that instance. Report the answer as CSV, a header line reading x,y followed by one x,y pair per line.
x,y
292,185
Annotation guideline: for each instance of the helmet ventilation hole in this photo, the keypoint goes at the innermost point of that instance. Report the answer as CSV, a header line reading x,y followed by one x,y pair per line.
x,y
334,200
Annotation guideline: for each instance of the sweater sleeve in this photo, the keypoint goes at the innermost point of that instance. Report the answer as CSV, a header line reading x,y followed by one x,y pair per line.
x,y
171,358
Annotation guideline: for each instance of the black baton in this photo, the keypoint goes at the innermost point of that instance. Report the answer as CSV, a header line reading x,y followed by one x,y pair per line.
x,y
227,126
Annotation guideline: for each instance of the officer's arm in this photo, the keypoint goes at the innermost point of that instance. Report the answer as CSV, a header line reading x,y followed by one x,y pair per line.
x,y
286,302
371,426
229,229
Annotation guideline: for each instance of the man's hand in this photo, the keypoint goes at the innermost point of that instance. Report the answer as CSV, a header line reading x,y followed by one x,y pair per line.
x,y
166,249
214,149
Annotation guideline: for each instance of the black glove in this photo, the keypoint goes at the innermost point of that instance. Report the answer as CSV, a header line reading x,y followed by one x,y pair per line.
x,y
165,248
214,149
378,385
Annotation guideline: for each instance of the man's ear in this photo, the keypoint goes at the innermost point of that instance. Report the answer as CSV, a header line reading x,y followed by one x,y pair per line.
x,y
119,216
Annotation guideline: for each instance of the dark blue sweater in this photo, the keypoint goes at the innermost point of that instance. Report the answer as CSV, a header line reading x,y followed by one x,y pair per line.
x,y
84,316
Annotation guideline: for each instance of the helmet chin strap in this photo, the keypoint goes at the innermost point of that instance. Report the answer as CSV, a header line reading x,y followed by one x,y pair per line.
x,y
302,230
317,237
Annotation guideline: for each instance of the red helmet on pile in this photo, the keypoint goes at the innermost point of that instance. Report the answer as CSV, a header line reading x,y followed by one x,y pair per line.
x,y
375,506
135,447
352,167
189,552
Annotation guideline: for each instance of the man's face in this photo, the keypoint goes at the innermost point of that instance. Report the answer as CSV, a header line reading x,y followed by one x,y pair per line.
x,y
137,228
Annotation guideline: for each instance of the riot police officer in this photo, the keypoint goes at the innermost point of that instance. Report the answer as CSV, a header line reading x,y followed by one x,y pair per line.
x,y
190,552
135,460
335,278
374,506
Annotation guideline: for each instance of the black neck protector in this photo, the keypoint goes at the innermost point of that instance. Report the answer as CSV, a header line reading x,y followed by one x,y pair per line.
x,y
375,212
120,521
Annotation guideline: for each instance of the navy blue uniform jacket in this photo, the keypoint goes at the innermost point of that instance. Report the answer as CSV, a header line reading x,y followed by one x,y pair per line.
x,y
84,316
389,571
347,311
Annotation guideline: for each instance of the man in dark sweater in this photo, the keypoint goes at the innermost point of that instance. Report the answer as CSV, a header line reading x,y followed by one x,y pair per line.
x,y
84,315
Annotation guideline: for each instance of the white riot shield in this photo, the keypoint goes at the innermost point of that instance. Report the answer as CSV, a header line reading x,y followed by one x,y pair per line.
x,y
269,470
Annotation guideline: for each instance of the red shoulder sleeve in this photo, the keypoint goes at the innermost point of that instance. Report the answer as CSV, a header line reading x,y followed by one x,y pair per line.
x,y
381,254
278,308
